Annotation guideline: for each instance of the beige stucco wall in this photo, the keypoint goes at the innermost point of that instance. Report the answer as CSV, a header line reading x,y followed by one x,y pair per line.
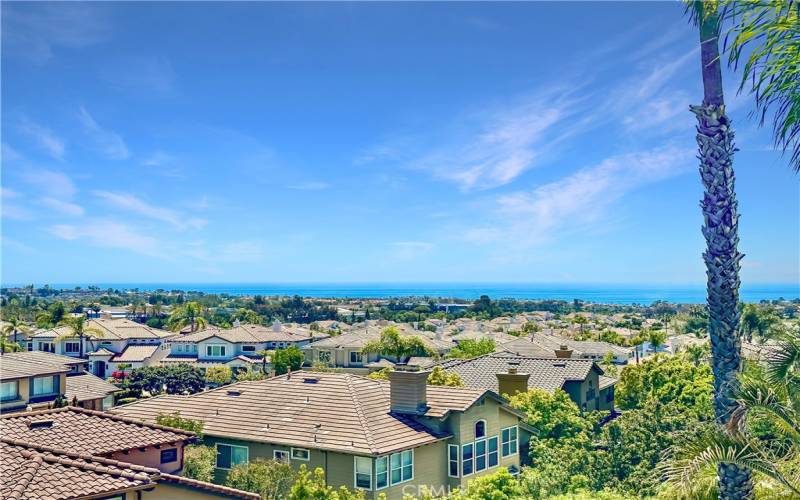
x,y
151,457
24,391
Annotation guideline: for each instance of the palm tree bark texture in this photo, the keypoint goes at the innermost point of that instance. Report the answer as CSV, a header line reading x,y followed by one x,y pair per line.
x,y
722,258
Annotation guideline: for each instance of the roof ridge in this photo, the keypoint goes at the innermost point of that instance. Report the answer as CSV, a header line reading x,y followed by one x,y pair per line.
x,y
360,413
30,470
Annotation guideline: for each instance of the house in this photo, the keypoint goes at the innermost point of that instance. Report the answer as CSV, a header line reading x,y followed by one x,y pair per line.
x,y
387,437
346,351
36,379
507,373
236,347
72,453
538,344
105,350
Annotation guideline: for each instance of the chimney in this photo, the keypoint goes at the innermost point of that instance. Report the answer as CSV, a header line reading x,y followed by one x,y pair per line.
x,y
513,381
276,326
237,323
408,389
440,331
563,352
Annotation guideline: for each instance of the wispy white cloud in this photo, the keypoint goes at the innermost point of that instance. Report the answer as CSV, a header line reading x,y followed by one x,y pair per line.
x,y
62,207
130,203
110,234
579,199
110,144
51,183
310,186
157,159
10,208
410,250
45,138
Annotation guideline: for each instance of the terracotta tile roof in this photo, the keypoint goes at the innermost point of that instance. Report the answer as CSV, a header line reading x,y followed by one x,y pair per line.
x,y
249,334
136,353
543,342
606,382
86,386
32,363
36,472
122,329
545,373
87,431
101,352
331,411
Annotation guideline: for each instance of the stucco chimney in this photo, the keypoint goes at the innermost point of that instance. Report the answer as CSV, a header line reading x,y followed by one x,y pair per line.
x,y
276,326
408,389
512,381
564,352
440,331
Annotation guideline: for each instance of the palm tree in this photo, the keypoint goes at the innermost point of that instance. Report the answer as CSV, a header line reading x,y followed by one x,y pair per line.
x,y
10,329
772,393
721,232
392,343
188,314
265,354
79,330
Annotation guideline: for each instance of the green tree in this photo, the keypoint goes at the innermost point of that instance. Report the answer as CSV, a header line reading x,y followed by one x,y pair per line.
x,y
248,316
657,339
272,479
312,486
190,314
175,420
218,375
498,486
199,462
180,378
11,328
287,359
265,355
438,376
249,375
469,348
79,330
398,346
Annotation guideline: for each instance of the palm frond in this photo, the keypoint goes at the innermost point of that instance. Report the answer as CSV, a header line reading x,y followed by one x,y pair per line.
x,y
759,395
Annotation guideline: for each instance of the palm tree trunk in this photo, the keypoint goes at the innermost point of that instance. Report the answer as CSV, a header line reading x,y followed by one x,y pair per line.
x,y
721,231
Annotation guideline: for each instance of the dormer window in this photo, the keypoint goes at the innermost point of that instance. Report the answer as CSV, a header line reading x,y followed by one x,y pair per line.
x,y
480,429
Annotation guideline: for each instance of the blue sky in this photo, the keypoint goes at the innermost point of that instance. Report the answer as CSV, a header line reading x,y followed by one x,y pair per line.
x,y
225,142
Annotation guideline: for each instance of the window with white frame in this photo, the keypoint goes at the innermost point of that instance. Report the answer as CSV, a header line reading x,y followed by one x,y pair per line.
x,y
215,350
401,466
467,460
480,455
381,472
300,454
480,429
363,473
72,347
47,347
9,391
493,452
178,347
248,348
509,441
452,460
324,356
356,357
43,386
281,456
229,455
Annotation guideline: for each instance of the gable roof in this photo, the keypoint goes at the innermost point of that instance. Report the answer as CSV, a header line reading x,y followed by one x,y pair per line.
x,y
136,353
249,334
539,344
88,431
85,386
545,373
29,471
23,364
332,411
112,329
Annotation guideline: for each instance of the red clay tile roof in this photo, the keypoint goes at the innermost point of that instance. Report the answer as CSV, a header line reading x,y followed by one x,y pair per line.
x,y
331,411
29,471
88,431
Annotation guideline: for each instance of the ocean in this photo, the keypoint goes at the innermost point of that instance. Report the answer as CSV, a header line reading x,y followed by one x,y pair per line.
x,y
607,294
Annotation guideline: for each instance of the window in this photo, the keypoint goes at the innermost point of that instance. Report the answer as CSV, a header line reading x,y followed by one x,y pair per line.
x,y
248,348
467,459
452,460
281,456
215,350
9,391
381,472
356,357
402,466
30,346
229,455
480,429
47,347
324,356
178,347
363,472
300,454
108,402
509,445
71,347
480,455
493,458
45,385
169,455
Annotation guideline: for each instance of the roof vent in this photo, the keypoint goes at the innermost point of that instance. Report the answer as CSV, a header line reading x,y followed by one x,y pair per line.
x,y
310,380
233,392
559,364
40,424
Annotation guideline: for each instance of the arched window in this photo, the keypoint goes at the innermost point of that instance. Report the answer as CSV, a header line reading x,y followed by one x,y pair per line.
x,y
480,429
